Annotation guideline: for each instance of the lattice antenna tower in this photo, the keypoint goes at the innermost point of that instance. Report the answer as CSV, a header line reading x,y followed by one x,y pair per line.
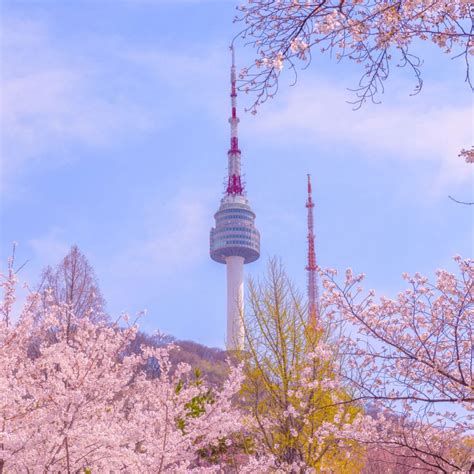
x,y
312,267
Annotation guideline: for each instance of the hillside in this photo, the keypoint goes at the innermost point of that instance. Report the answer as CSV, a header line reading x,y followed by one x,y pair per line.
x,y
210,361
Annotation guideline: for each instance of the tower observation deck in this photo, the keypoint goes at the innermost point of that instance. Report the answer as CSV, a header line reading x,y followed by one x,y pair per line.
x,y
234,240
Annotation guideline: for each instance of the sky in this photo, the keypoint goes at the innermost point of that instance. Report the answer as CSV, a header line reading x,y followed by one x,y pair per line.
x,y
114,137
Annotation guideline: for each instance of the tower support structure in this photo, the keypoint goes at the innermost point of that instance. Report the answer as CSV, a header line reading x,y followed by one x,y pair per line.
x,y
235,302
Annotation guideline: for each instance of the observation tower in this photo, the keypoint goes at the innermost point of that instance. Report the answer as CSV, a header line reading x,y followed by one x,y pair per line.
x,y
234,240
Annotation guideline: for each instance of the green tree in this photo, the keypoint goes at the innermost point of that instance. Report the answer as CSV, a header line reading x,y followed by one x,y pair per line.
x,y
301,413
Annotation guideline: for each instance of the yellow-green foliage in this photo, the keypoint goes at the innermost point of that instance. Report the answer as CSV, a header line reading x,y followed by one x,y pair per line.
x,y
462,454
279,363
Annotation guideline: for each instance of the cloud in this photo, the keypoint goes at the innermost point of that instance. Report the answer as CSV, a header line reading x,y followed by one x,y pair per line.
x,y
177,237
431,128
51,101
57,97
50,248
193,74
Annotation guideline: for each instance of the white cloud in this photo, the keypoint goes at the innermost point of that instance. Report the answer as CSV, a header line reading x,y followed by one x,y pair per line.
x,y
56,97
178,233
179,243
427,128
50,100
49,249
193,73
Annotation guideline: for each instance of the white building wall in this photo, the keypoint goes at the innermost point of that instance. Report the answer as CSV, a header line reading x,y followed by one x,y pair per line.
x,y
235,303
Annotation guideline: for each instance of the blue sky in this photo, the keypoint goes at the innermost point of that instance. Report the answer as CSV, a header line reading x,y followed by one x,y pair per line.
x,y
114,137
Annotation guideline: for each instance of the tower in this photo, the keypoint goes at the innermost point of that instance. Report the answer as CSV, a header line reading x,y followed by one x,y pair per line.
x,y
313,293
234,240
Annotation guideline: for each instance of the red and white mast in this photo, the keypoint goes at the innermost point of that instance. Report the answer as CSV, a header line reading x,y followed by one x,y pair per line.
x,y
234,183
312,268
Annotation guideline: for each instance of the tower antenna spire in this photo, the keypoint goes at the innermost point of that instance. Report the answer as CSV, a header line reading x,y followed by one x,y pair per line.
x,y
312,268
234,182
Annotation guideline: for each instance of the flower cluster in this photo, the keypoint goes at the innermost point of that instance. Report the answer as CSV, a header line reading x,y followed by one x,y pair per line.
x,y
396,380
369,32
412,357
82,403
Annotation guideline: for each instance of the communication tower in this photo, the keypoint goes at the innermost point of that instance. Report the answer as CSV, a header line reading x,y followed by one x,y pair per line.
x,y
312,268
234,240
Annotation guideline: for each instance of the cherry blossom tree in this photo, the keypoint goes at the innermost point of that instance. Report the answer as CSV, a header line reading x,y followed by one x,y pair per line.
x,y
374,33
413,358
83,405
86,404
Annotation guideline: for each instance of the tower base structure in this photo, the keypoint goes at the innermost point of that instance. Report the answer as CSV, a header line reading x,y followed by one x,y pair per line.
x,y
235,303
